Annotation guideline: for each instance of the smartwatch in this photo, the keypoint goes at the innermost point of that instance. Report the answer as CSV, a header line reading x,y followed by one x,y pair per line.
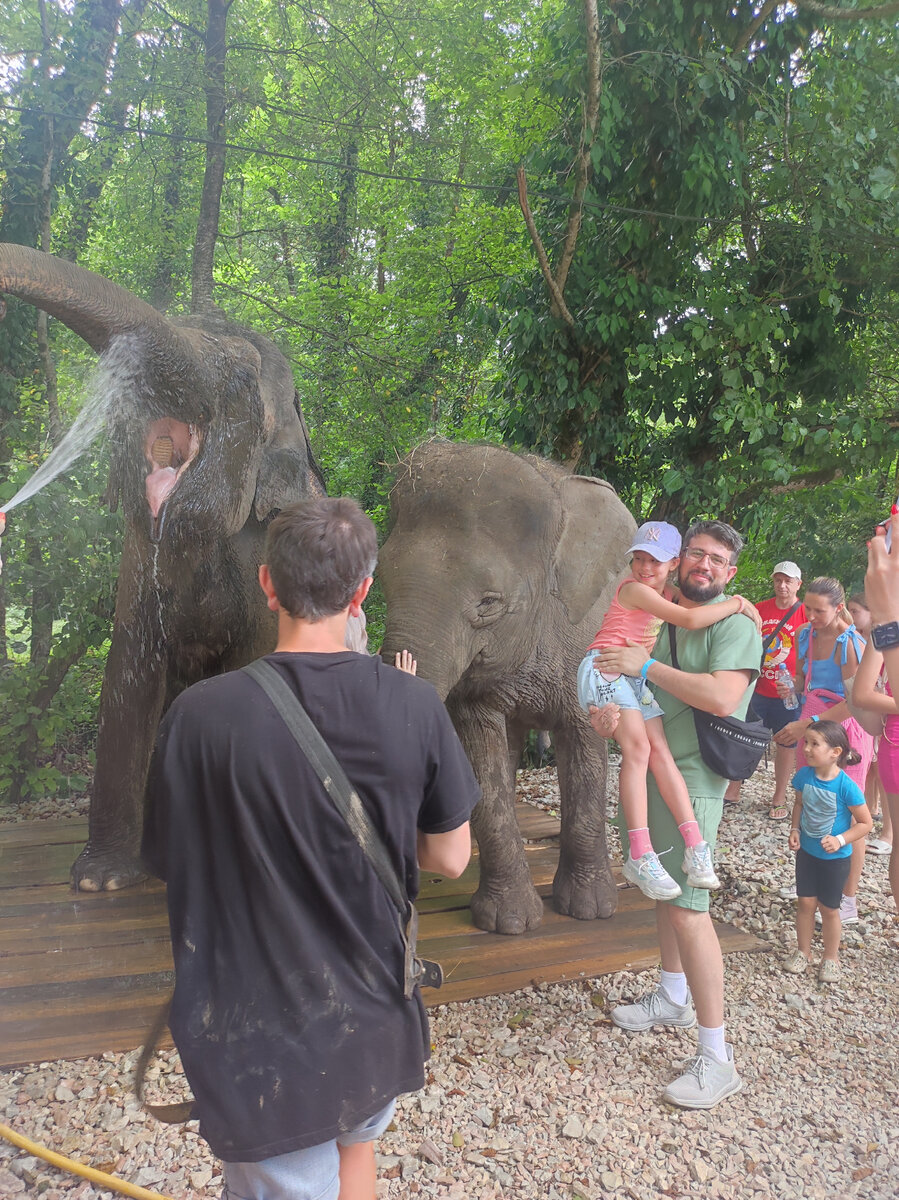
x,y
885,637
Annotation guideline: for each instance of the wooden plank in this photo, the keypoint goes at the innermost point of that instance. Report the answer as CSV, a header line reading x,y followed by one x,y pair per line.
x,y
37,864
534,823
71,831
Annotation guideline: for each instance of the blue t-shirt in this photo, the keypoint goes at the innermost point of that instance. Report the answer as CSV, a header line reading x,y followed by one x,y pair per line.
x,y
825,809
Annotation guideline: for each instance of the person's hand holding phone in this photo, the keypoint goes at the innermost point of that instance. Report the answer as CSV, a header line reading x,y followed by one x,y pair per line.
x,y
882,577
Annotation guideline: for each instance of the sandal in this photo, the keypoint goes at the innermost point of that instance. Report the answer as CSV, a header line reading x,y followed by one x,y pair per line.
x,y
778,812
795,962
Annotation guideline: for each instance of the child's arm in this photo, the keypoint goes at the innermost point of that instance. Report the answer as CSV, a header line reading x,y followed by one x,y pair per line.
x,y
855,833
864,690
638,595
794,821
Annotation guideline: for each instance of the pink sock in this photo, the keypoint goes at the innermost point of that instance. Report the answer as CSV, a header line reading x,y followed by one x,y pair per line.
x,y
638,840
690,833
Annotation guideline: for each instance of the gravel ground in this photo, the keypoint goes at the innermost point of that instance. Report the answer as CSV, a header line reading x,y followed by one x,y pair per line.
x,y
536,1093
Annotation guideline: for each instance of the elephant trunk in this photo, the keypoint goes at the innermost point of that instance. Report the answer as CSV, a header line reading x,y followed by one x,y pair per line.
x,y
431,644
98,311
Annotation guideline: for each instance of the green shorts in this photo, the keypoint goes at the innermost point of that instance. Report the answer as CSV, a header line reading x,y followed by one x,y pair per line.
x,y
664,833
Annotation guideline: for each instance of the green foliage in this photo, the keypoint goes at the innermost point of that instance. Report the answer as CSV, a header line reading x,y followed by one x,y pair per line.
x,y
732,275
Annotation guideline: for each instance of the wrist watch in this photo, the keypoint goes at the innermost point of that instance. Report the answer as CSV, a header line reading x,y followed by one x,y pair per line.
x,y
885,637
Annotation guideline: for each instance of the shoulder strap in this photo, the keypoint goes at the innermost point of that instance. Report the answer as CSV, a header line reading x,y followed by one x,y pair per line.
x,y
343,795
778,627
672,641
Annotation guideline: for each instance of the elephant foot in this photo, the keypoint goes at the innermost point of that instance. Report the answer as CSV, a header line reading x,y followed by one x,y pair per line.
x,y
105,871
512,910
584,895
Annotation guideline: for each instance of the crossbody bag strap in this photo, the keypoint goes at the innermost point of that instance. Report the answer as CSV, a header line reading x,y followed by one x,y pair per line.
x,y
777,628
342,793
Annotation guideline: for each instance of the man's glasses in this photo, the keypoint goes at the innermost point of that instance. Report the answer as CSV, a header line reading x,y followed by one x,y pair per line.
x,y
696,555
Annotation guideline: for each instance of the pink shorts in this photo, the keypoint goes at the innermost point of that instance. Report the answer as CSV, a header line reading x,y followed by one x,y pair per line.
x,y
888,757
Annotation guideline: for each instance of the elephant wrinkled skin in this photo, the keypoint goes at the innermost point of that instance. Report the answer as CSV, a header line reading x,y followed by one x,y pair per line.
x,y
207,442
497,572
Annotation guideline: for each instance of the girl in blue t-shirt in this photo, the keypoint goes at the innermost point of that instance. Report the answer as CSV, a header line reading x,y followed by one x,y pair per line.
x,y
823,830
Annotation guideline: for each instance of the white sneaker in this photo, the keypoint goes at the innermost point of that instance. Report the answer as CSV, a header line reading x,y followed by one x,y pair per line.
x,y
848,911
655,1008
648,874
698,867
705,1082
788,893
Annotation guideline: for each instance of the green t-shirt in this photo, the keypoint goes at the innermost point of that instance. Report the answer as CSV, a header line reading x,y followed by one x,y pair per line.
x,y
733,644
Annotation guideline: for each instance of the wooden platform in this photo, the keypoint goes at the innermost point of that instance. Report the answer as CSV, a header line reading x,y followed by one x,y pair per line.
x,y
81,973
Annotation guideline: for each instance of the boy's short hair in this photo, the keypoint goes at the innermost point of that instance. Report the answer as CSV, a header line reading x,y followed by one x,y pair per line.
x,y
318,552
721,532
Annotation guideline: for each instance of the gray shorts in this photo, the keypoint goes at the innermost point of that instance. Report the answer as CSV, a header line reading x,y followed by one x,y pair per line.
x,y
310,1174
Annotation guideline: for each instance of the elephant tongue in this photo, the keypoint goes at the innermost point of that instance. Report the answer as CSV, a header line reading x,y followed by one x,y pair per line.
x,y
159,483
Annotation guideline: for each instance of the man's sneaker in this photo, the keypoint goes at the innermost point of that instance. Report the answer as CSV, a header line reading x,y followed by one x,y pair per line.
x,y
705,1081
648,874
848,911
698,867
655,1008
788,893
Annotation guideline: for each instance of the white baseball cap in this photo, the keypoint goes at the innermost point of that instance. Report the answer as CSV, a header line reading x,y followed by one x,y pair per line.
x,y
659,539
787,568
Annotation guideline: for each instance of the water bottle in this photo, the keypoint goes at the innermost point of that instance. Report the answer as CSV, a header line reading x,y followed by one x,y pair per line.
x,y
791,700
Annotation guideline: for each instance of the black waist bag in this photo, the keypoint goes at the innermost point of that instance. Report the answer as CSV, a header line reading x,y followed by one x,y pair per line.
x,y
730,747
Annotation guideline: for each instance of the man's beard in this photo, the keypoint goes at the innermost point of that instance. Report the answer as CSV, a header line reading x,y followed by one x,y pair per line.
x,y
699,593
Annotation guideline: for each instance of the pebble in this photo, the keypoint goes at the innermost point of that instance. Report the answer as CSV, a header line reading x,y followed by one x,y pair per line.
x,y
536,1096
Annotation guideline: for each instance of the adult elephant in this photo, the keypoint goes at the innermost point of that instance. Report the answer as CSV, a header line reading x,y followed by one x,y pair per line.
x,y
207,443
497,571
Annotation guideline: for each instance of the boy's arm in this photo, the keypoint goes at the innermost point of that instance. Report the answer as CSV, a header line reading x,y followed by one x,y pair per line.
x,y
445,853
638,595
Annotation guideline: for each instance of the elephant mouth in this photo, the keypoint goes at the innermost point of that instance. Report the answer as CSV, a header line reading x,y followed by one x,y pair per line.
x,y
170,447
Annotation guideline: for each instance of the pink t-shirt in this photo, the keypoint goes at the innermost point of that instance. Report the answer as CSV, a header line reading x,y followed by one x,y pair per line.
x,y
621,624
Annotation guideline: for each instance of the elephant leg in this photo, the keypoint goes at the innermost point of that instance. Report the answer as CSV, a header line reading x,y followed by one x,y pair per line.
x,y
506,900
584,886
130,708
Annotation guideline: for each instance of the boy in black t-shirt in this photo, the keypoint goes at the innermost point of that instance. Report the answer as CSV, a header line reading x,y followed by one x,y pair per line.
x,y
288,1011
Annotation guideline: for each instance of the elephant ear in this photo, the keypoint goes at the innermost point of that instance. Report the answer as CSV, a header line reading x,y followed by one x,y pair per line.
x,y
596,531
282,480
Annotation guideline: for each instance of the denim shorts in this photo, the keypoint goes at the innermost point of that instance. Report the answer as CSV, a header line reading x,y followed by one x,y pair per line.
x,y
593,687
310,1174
772,711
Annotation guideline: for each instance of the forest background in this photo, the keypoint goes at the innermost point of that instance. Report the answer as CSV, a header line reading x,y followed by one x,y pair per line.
x,y
655,240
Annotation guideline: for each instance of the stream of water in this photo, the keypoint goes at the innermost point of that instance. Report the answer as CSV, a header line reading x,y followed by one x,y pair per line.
x,y
111,379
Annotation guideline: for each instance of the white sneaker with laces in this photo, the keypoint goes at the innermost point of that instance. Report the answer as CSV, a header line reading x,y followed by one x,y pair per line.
x,y
705,1082
655,1008
848,911
788,893
648,874
698,867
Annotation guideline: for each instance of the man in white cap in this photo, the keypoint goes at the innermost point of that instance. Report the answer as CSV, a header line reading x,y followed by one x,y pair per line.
x,y
781,616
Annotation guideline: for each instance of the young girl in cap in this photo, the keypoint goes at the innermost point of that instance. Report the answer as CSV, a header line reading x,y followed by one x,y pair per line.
x,y
643,601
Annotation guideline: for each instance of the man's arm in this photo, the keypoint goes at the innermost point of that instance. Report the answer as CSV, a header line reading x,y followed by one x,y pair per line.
x,y
445,853
716,692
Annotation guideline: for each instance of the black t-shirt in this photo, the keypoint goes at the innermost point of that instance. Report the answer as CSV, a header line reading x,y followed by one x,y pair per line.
x,y
288,1010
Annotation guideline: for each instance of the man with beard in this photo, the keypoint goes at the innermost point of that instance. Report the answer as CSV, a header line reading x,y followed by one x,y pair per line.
x,y
716,668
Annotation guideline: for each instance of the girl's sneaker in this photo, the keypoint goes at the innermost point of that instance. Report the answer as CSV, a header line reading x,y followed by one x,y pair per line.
x,y
648,874
698,867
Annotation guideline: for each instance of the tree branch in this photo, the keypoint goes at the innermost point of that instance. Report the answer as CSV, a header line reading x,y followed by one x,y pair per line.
x,y
749,33
848,14
584,166
558,301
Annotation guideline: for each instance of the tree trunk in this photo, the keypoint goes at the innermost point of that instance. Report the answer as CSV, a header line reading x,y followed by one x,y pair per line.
x,y
214,176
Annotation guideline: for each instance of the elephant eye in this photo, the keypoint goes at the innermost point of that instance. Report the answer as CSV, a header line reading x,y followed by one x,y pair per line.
x,y
489,608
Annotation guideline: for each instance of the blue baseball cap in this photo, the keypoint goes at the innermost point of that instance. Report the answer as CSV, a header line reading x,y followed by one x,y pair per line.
x,y
659,539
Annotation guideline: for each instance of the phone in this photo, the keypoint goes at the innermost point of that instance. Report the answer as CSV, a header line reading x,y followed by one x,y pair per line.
x,y
889,529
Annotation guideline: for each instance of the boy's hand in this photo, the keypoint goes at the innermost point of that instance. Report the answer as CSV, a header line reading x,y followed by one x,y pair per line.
x,y
830,844
794,839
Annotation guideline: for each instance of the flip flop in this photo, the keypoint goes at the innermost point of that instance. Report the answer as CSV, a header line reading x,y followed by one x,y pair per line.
x,y
778,813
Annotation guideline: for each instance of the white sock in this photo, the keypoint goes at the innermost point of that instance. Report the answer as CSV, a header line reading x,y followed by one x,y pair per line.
x,y
675,985
713,1039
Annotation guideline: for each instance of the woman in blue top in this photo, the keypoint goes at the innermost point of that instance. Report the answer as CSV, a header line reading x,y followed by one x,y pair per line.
x,y
829,814
829,650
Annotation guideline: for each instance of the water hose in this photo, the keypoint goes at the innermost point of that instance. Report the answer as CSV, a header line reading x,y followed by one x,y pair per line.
x,y
77,1168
